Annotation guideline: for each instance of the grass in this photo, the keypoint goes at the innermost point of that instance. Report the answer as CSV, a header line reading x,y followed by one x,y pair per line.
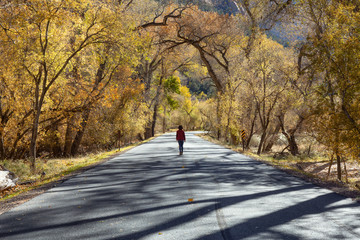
x,y
54,169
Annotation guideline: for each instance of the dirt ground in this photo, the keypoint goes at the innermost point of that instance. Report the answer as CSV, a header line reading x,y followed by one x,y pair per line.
x,y
321,169
317,173
350,177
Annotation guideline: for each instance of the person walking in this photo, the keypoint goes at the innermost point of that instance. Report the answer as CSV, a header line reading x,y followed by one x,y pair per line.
x,y
180,137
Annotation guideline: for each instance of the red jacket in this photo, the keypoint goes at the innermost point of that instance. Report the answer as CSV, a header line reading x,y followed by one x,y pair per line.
x,y
180,135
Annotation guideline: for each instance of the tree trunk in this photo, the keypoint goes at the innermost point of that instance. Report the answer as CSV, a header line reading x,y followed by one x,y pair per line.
x,y
69,136
154,119
156,106
80,133
118,138
210,69
147,133
2,147
338,162
293,147
34,135
262,142
294,150
227,129
86,114
16,141
290,137
251,133
273,138
164,120
2,126
330,165
218,118
345,170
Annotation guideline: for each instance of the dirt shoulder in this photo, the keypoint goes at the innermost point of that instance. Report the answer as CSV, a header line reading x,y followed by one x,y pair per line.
x,y
318,178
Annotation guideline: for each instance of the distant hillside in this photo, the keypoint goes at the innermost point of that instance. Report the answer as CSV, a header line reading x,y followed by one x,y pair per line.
x,y
220,6
223,6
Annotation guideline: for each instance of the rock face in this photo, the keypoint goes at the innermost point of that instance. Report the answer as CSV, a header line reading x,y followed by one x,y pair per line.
x,y
7,180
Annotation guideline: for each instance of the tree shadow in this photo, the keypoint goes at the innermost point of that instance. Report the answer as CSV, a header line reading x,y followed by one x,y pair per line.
x,y
147,191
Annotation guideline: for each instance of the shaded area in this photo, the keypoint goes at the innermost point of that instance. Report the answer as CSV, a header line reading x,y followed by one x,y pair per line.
x,y
143,194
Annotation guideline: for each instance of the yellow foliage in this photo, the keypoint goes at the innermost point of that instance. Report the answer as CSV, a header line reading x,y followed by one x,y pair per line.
x,y
184,91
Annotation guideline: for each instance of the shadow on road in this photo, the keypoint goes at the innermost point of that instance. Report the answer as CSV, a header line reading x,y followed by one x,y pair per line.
x,y
140,183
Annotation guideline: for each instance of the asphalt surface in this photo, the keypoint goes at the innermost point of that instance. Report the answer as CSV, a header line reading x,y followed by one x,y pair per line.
x,y
210,193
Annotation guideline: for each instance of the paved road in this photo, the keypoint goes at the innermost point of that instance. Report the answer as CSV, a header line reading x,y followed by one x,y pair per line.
x,y
144,194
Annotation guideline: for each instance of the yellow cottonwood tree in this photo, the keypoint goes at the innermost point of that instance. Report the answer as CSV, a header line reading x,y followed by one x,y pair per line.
x,y
333,49
48,40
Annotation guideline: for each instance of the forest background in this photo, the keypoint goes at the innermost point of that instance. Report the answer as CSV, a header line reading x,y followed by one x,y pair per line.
x,y
270,76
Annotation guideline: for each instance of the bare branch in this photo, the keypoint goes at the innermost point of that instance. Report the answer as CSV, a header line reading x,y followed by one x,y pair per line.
x,y
176,13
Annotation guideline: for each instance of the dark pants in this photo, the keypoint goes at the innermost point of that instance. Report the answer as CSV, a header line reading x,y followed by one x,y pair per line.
x,y
181,145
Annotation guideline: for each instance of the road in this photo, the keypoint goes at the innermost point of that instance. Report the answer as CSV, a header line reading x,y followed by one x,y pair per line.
x,y
210,193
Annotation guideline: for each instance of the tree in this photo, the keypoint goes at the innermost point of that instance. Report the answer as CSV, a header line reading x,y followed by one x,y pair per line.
x,y
210,35
333,50
43,71
267,83
159,61
106,59
50,36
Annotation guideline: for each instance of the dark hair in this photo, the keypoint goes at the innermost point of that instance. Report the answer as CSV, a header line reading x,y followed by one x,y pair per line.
x,y
180,127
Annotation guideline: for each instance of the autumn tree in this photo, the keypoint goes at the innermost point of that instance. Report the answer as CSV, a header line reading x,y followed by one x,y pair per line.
x,y
267,83
105,61
50,43
333,50
41,49
160,61
209,33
